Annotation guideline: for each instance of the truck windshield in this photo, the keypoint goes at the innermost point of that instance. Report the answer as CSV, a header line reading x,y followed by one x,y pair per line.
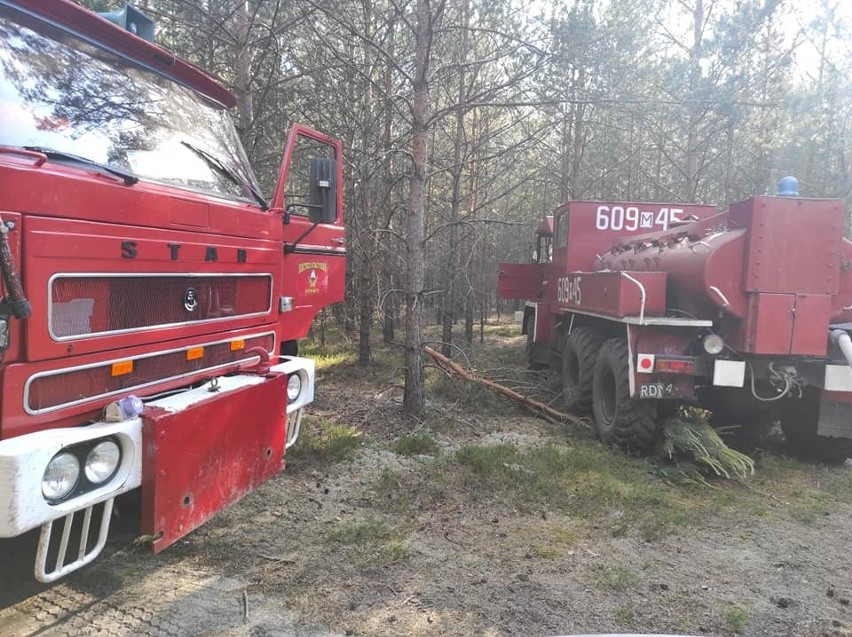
x,y
60,92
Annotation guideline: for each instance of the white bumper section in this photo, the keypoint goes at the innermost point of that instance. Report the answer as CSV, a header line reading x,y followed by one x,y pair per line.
x,y
23,461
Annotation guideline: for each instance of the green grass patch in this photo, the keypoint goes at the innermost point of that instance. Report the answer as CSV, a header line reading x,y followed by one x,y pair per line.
x,y
395,493
590,483
334,360
612,577
625,615
373,540
807,491
734,618
324,441
416,445
500,329
549,541
339,360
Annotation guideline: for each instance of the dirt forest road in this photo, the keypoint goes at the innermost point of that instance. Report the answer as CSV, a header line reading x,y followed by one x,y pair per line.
x,y
363,535
471,577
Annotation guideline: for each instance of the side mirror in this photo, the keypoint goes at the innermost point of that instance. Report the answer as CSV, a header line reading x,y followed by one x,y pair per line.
x,y
323,190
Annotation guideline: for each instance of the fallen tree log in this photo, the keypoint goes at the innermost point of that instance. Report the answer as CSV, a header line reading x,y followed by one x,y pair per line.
x,y
537,407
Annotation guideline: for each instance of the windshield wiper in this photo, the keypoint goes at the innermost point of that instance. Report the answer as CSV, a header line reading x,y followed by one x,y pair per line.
x,y
128,177
232,176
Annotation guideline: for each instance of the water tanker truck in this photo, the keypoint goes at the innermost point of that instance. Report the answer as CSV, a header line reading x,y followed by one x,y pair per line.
x,y
640,308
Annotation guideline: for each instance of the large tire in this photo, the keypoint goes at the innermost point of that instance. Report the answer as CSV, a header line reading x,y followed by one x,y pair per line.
x,y
579,355
620,419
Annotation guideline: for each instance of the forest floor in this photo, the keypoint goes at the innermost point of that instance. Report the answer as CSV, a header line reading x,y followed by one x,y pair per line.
x,y
479,520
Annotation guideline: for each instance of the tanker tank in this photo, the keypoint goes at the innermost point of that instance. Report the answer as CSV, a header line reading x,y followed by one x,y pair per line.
x,y
779,262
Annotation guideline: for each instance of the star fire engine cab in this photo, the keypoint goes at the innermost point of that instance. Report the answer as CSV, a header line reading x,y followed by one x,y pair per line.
x,y
152,298
639,308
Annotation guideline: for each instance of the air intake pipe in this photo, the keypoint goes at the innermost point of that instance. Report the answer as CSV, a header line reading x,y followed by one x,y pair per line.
x,y
842,340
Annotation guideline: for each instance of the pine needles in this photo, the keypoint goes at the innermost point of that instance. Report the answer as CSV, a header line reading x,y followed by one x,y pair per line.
x,y
690,435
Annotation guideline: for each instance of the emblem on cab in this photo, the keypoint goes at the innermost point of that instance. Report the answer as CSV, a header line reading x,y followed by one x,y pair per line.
x,y
190,300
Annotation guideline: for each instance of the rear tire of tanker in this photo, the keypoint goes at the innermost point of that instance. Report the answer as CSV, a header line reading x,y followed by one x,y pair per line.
x,y
629,423
579,355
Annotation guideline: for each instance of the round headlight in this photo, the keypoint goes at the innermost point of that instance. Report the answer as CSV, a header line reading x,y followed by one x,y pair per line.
x,y
713,344
294,387
102,461
61,476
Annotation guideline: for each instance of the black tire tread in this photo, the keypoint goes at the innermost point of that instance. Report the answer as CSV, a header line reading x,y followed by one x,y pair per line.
x,y
586,342
634,425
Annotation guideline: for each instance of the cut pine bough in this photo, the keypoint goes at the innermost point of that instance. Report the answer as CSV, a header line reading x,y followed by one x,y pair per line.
x,y
537,407
679,437
698,439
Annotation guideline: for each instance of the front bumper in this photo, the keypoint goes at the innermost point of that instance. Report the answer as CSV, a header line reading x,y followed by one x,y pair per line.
x,y
23,459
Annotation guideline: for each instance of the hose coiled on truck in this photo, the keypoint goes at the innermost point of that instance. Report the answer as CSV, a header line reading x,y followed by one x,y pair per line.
x,y
17,300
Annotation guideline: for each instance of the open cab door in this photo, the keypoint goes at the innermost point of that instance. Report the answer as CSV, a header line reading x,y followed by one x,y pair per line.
x,y
309,198
526,281
521,281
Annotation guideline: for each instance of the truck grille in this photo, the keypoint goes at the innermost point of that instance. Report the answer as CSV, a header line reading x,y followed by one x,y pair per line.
x,y
82,306
61,388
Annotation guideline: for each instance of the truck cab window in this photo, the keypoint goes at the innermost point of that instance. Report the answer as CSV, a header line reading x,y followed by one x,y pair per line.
x,y
562,231
297,194
544,249
66,95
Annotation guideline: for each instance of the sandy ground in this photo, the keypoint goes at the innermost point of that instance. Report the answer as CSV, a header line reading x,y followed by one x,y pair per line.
x,y
274,564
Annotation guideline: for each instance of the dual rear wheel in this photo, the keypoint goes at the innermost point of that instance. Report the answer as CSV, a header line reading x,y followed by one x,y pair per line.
x,y
596,378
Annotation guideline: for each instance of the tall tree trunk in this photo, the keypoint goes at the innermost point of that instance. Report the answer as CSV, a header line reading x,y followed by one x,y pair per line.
x,y
450,291
242,89
414,401
694,107
366,240
469,301
390,300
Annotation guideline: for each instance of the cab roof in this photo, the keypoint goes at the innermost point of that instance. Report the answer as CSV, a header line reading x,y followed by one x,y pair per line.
x,y
101,31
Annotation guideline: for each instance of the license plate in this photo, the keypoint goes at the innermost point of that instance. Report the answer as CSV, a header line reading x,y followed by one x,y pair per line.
x,y
657,390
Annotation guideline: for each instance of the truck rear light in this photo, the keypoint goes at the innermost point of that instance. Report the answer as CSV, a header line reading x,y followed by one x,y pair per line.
x,y
713,344
674,366
645,363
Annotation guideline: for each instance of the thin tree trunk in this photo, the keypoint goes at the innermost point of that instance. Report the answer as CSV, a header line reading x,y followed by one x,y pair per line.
x,y
450,293
242,89
694,106
414,401
367,243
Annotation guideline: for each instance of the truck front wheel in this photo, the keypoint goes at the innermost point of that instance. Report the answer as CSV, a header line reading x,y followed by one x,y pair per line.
x,y
620,419
579,354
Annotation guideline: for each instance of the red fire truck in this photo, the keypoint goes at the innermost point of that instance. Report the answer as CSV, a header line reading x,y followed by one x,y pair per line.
x,y
639,308
152,298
